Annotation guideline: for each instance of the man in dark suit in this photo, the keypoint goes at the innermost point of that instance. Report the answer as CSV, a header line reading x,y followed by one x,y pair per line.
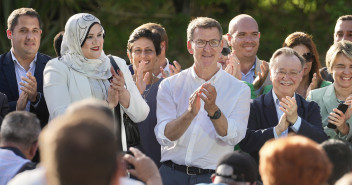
x,y
21,69
281,111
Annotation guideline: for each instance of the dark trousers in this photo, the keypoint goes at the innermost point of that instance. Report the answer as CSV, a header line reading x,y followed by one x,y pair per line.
x,y
171,176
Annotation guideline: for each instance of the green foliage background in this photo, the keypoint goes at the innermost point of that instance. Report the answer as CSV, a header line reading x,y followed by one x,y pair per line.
x,y
276,19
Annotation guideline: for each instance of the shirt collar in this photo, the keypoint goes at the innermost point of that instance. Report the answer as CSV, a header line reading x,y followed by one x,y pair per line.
x,y
213,79
16,61
276,99
15,151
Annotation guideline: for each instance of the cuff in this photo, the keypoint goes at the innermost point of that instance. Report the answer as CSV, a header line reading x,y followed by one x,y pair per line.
x,y
295,127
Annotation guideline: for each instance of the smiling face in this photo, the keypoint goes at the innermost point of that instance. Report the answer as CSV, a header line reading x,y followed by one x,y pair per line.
x,y
93,46
206,57
25,38
245,39
143,51
286,75
342,71
301,50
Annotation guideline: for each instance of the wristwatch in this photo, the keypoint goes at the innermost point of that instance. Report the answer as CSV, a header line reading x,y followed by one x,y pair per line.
x,y
37,98
216,115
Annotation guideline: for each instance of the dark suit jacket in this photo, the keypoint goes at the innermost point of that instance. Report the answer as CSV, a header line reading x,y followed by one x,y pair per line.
x,y
4,106
263,119
8,84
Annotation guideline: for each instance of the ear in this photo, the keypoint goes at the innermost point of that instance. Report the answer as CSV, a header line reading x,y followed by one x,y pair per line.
x,y
9,34
163,46
258,34
129,56
229,38
189,47
33,150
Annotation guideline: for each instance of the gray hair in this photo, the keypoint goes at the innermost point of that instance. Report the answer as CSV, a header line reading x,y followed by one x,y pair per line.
x,y
205,23
343,47
287,52
20,127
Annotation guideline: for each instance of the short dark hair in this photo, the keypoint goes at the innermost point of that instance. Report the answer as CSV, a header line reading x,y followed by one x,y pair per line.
x,y
20,127
345,18
12,20
203,22
161,30
340,155
57,43
141,32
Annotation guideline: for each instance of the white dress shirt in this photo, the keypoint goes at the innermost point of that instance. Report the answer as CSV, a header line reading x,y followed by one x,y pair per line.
x,y
200,145
295,127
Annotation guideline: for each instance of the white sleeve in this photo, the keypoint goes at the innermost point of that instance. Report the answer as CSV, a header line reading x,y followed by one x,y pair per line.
x,y
166,111
55,87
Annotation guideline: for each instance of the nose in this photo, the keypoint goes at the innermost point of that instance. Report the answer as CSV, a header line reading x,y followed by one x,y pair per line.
x,y
207,46
347,70
29,35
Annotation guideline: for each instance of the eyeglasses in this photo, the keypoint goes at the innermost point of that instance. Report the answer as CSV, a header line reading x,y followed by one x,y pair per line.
x,y
292,74
308,56
140,52
225,51
202,43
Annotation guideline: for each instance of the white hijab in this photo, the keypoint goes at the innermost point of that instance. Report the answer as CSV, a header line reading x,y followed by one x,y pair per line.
x,y
96,70
76,30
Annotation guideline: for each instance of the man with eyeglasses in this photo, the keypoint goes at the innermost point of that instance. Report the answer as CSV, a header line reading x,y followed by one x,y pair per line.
x,y
201,116
343,31
244,38
282,111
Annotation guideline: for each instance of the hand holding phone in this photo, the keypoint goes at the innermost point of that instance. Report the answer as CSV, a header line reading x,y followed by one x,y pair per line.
x,y
128,165
342,107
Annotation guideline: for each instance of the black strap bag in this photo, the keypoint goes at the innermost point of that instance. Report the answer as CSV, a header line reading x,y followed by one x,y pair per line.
x,y
131,128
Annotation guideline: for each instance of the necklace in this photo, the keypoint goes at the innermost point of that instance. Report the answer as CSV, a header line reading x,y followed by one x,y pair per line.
x,y
147,91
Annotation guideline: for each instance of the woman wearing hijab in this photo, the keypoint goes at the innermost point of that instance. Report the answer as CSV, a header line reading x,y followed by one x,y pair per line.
x,y
83,71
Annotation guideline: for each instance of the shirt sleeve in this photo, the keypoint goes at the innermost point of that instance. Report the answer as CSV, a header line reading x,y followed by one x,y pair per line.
x,y
166,111
238,119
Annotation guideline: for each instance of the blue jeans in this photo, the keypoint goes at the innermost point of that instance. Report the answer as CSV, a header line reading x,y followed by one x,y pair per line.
x,y
171,176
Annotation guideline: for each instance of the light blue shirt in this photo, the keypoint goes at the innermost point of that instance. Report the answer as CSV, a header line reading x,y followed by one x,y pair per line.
x,y
295,127
20,71
250,76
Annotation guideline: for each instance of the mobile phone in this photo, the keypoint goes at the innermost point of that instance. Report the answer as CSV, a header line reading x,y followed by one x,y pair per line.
x,y
342,107
128,165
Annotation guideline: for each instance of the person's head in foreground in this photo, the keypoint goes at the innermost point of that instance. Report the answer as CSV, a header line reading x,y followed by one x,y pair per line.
x,y
79,148
236,168
293,160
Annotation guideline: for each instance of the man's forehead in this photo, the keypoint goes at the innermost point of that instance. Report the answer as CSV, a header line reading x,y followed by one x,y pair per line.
x,y
206,33
27,22
342,25
285,62
246,25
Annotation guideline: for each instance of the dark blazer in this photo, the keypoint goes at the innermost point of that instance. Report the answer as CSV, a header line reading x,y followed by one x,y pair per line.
x,y
8,84
263,119
4,106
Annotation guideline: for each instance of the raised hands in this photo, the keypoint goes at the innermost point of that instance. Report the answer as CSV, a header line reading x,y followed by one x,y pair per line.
x,y
117,91
22,101
233,67
208,95
282,125
173,70
30,87
261,76
144,168
194,103
141,81
289,107
313,85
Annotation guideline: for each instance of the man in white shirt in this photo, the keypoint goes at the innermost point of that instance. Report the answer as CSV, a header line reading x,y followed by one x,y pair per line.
x,y
202,111
244,38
